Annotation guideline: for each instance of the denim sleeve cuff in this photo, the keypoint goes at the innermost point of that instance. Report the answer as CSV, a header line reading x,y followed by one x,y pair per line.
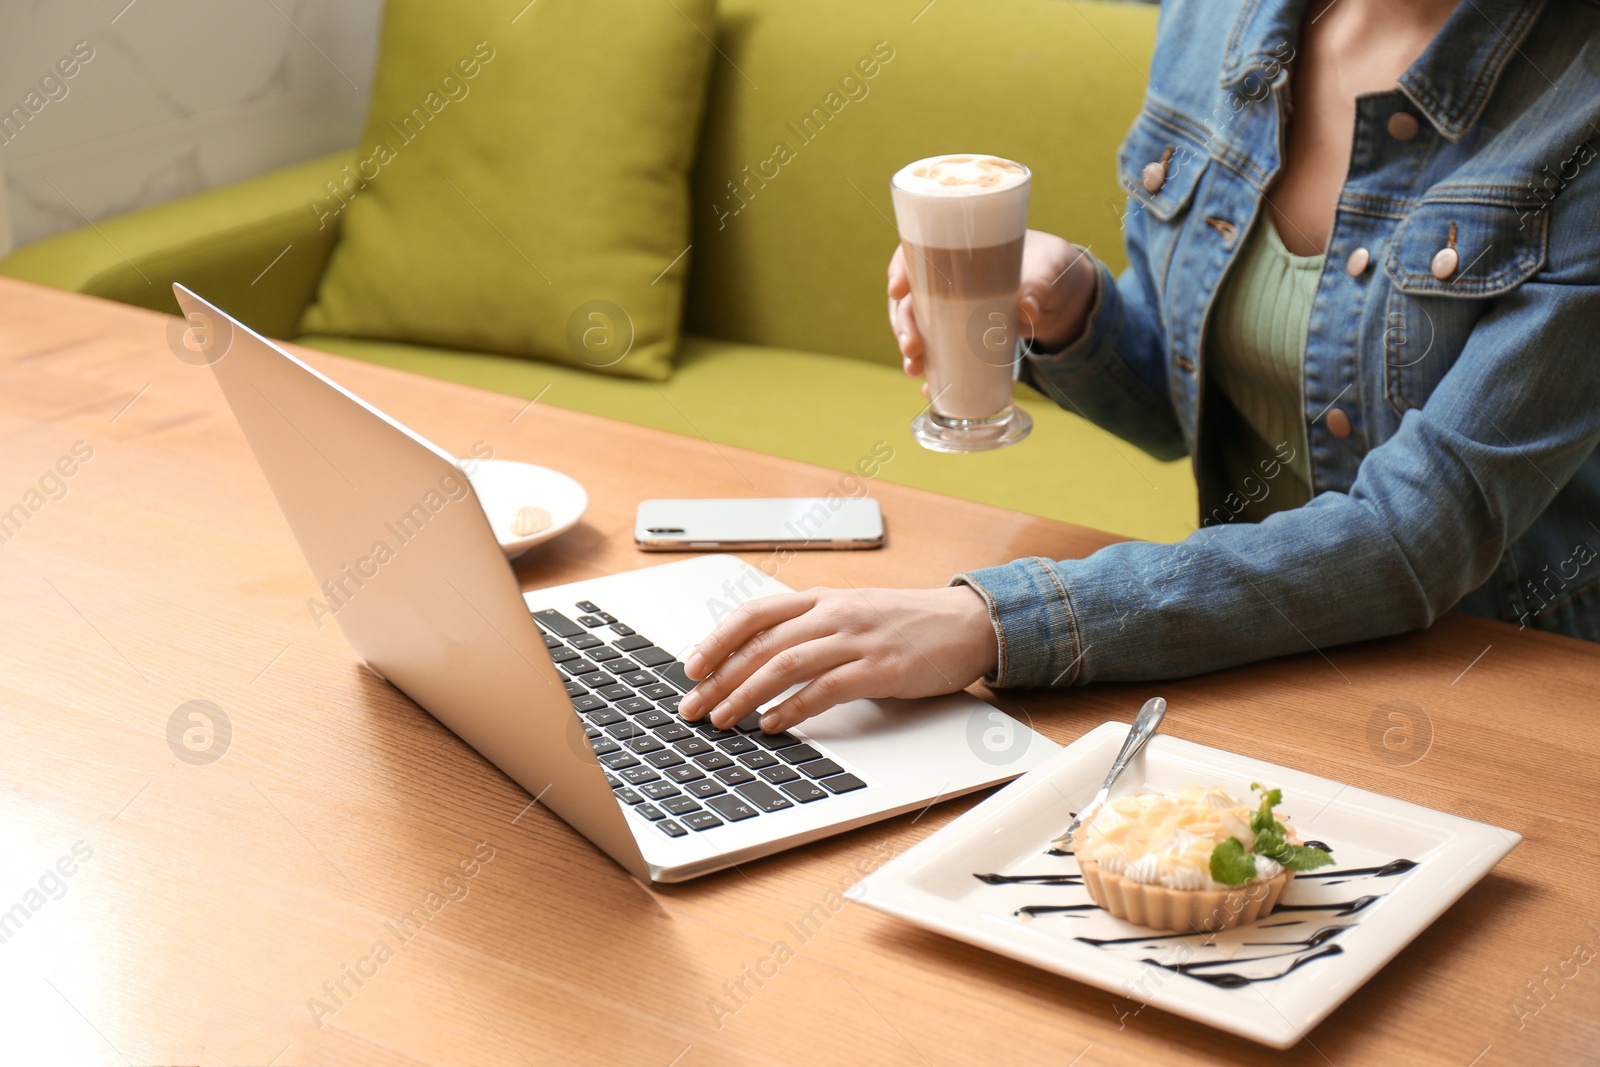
x,y
1033,621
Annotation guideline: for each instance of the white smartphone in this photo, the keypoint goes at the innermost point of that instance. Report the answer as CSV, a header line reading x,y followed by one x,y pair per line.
x,y
792,522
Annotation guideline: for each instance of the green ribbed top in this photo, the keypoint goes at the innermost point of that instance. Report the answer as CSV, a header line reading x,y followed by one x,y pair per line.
x,y
1255,357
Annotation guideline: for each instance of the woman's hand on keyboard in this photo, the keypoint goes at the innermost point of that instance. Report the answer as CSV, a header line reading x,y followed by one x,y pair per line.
x,y
845,644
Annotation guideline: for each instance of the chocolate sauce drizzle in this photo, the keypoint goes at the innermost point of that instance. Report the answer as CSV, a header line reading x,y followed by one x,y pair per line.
x,y
1315,947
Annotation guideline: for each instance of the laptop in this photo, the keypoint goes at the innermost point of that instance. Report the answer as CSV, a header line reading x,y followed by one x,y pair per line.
x,y
572,691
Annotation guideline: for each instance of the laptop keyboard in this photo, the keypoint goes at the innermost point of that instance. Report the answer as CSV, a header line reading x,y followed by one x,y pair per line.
x,y
680,775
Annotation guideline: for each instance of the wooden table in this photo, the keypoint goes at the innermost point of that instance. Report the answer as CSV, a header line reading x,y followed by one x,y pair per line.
x,y
207,905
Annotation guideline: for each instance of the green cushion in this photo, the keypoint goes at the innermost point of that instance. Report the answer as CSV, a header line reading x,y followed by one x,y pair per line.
x,y
521,184
833,411
793,222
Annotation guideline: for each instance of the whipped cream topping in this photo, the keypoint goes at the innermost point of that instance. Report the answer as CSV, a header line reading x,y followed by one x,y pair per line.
x,y
1167,839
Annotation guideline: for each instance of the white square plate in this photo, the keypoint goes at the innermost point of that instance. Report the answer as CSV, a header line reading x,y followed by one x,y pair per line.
x,y
1271,980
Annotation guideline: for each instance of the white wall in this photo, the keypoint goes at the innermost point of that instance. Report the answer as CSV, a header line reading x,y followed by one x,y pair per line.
x,y
180,95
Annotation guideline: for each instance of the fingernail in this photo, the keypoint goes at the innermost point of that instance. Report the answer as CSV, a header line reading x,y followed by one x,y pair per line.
x,y
718,715
693,664
1030,306
769,722
688,703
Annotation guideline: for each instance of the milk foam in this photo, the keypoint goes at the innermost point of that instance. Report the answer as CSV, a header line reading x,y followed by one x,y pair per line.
x,y
960,175
961,200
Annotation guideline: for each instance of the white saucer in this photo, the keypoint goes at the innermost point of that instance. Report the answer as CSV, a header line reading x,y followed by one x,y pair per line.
x,y
503,486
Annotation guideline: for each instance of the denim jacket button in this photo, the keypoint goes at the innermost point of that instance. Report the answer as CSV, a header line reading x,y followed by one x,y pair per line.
x,y
1153,177
1403,126
1356,265
1338,423
1444,263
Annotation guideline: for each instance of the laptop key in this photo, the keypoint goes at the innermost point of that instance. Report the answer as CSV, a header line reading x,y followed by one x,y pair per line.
x,y
735,776
651,812
776,741
584,641
674,731
579,666
635,704
651,719
558,623
764,797
612,781
645,743
679,805
590,621
591,731
603,654
629,642
564,654
657,691
821,768
622,630
599,714
598,680
618,760
628,796
606,617
684,773
575,689
758,759
694,747
713,761
659,790
551,640
733,746
780,774
750,723
669,704
803,791
673,672
660,760
842,783
798,754
670,828
638,775
705,787
701,820
713,733
639,678
604,746
586,605
615,692
731,808
651,656
623,730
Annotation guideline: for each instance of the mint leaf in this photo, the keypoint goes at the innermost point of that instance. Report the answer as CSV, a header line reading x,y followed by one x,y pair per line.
x,y
1261,819
1231,864
1300,857
1270,842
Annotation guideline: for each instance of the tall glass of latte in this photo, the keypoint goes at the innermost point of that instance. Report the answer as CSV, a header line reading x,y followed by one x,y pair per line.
x,y
962,219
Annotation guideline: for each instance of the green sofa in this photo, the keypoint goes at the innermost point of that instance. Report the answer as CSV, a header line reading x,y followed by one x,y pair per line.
x,y
786,348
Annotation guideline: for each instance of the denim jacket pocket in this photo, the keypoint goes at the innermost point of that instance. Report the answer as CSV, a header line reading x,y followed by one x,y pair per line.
x,y
1485,243
1169,151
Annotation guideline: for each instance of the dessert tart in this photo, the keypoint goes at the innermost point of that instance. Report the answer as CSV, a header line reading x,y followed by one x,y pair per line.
x,y
1198,860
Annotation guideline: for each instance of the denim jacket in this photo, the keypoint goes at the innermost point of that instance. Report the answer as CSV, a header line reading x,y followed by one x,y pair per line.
x,y
1452,414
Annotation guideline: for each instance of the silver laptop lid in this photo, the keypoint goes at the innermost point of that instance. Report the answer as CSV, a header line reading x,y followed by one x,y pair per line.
x,y
410,570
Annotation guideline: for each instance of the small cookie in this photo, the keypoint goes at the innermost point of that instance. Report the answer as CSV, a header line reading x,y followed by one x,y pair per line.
x,y
529,521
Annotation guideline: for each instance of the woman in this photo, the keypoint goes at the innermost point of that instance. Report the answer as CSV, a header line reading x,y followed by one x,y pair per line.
x,y
1371,318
